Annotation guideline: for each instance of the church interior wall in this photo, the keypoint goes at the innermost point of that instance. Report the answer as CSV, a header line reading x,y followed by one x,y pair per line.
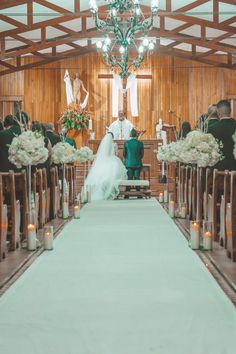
x,y
179,85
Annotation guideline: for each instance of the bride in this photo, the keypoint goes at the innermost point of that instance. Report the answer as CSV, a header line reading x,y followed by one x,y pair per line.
x,y
106,172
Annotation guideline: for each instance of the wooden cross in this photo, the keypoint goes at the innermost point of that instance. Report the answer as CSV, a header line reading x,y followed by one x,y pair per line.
x,y
124,82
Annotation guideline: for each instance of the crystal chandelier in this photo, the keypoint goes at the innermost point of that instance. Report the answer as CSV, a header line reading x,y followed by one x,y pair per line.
x,y
125,41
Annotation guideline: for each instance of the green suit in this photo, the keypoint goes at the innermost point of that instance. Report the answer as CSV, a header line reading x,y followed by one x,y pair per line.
x,y
223,131
54,138
133,153
6,137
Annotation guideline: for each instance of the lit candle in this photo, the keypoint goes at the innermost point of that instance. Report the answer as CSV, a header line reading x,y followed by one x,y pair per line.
x,y
207,241
90,124
77,212
195,235
165,196
172,209
161,197
48,240
183,212
31,237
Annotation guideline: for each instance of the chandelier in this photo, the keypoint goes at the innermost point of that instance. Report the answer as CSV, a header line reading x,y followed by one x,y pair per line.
x,y
125,33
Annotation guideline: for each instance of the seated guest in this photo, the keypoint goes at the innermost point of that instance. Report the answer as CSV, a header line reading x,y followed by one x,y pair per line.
x,y
1,125
6,136
185,129
212,119
223,131
54,138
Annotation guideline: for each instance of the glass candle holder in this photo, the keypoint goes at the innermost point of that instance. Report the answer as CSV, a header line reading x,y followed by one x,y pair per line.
x,y
165,196
77,209
48,237
195,227
207,235
183,210
171,208
161,197
31,232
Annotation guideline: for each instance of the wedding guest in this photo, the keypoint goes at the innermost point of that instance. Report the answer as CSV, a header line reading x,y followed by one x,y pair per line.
x,y
185,129
223,131
23,119
1,125
54,138
212,119
6,136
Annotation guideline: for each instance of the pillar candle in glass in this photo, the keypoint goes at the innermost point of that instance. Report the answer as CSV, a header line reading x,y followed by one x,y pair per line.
x,y
77,209
195,235
90,124
172,208
48,237
31,237
165,196
183,210
161,197
207,234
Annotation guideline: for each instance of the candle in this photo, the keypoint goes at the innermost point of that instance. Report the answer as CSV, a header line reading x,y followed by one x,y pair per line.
x,y
183,212
207,241
165,196
31,237
48,240
77,212
65,210
172,209
161,197
195,235
90,124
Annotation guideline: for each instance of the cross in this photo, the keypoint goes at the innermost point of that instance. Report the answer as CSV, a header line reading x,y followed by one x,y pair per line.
x,y
124,82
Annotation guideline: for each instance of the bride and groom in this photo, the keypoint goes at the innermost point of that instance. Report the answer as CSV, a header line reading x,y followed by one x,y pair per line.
x,y
108,170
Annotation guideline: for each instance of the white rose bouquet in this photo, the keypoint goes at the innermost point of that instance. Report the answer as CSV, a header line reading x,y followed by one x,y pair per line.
x,y
170,152
63,153
27,149
83,154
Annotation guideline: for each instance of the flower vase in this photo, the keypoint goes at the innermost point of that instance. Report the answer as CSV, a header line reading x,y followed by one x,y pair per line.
x,y
65,199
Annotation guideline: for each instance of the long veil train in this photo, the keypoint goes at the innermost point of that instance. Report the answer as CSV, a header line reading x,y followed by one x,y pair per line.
x,y
106,172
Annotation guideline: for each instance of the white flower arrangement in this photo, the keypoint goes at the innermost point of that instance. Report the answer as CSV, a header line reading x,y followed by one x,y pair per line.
x,y
84,154
63,153
234,139
27,149
197,148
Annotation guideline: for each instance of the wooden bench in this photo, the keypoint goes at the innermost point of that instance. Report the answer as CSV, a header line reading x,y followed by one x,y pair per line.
x,y
231,219
134,188
3,224
55,191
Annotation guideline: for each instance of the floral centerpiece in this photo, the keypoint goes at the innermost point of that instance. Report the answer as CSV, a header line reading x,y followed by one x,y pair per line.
x,y
84,154
75,119
63,153
27,149
197,148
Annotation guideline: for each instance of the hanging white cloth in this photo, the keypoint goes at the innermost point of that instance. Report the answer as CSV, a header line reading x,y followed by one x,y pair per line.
x,y
117,86
84,103
69,93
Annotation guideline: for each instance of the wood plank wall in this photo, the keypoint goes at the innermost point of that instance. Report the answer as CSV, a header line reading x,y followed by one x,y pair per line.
x,y
179,85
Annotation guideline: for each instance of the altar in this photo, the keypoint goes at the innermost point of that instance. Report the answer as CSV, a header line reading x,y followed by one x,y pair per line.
x,y
149,154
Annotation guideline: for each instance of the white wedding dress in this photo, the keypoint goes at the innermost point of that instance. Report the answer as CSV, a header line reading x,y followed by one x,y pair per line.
x,y
106,172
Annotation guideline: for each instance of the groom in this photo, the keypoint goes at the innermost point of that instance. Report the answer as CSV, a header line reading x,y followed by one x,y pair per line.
x,y
133,153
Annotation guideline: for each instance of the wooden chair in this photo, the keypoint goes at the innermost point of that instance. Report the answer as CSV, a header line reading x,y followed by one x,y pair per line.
x,y
3,224
13,209
70,177
231,219
225,199
193,192
22,195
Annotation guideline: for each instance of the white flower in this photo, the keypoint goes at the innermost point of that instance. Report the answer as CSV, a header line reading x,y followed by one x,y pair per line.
x,y
27,149
83,154
63,153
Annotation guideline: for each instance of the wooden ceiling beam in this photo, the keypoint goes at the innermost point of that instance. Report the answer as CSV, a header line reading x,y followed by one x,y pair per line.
x,y
53,7
5,4
30,13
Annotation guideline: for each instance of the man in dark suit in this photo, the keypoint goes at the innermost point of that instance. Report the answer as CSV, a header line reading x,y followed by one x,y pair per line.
x,y
11,130
54,138
133,153
223,132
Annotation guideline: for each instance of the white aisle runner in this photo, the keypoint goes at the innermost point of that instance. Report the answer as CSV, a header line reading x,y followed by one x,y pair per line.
x,y
121,280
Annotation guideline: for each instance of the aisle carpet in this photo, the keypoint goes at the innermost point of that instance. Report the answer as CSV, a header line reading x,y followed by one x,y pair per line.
x,y
121,280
